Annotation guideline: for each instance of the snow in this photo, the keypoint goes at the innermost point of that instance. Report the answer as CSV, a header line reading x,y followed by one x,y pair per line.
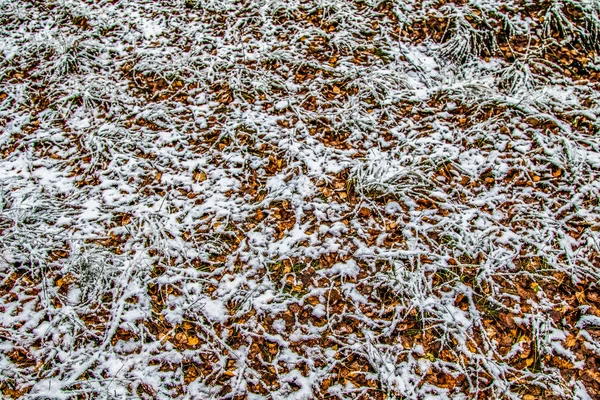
x,y
214,310
347,269
368,202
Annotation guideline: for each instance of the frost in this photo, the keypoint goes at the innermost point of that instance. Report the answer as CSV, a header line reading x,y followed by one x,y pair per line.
x,y
285,199
214,310
347,269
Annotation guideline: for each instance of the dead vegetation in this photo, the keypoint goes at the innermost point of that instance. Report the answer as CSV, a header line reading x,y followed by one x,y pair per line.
x,y
322,199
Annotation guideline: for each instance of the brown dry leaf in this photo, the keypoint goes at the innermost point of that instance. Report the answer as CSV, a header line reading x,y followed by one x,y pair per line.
x,y
526,348
529,361
556,173
163,337
562,363
199,176
522,292
65,280
570,341
471,347
126,219
508,320
181,337
259,215
290,280
313,300
287,268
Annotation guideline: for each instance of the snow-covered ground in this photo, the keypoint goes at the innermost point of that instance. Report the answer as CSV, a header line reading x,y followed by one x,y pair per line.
x,y
273,199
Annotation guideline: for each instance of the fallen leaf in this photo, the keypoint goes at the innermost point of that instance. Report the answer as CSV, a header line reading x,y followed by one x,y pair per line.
x,y
181,337
529,361
199,176
556,173
193,340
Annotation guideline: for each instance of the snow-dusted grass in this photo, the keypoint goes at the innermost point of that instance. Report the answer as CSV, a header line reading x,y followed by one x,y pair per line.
x,y
272,199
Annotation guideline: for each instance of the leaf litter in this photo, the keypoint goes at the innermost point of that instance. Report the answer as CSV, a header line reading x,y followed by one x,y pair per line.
x,y
306,199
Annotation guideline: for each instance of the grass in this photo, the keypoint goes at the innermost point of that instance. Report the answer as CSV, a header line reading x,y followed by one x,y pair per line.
x,y
174,169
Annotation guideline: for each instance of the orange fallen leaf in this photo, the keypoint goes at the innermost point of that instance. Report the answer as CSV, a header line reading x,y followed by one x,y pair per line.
x,y
556,173
529,361
181,337
199,176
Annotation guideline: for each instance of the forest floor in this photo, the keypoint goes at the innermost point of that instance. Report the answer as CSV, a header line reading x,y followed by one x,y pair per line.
x,y
287,199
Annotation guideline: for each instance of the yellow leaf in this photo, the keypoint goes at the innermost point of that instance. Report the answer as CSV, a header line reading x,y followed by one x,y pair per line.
x,y
199,176
529,361
571,340
471,347
193,340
